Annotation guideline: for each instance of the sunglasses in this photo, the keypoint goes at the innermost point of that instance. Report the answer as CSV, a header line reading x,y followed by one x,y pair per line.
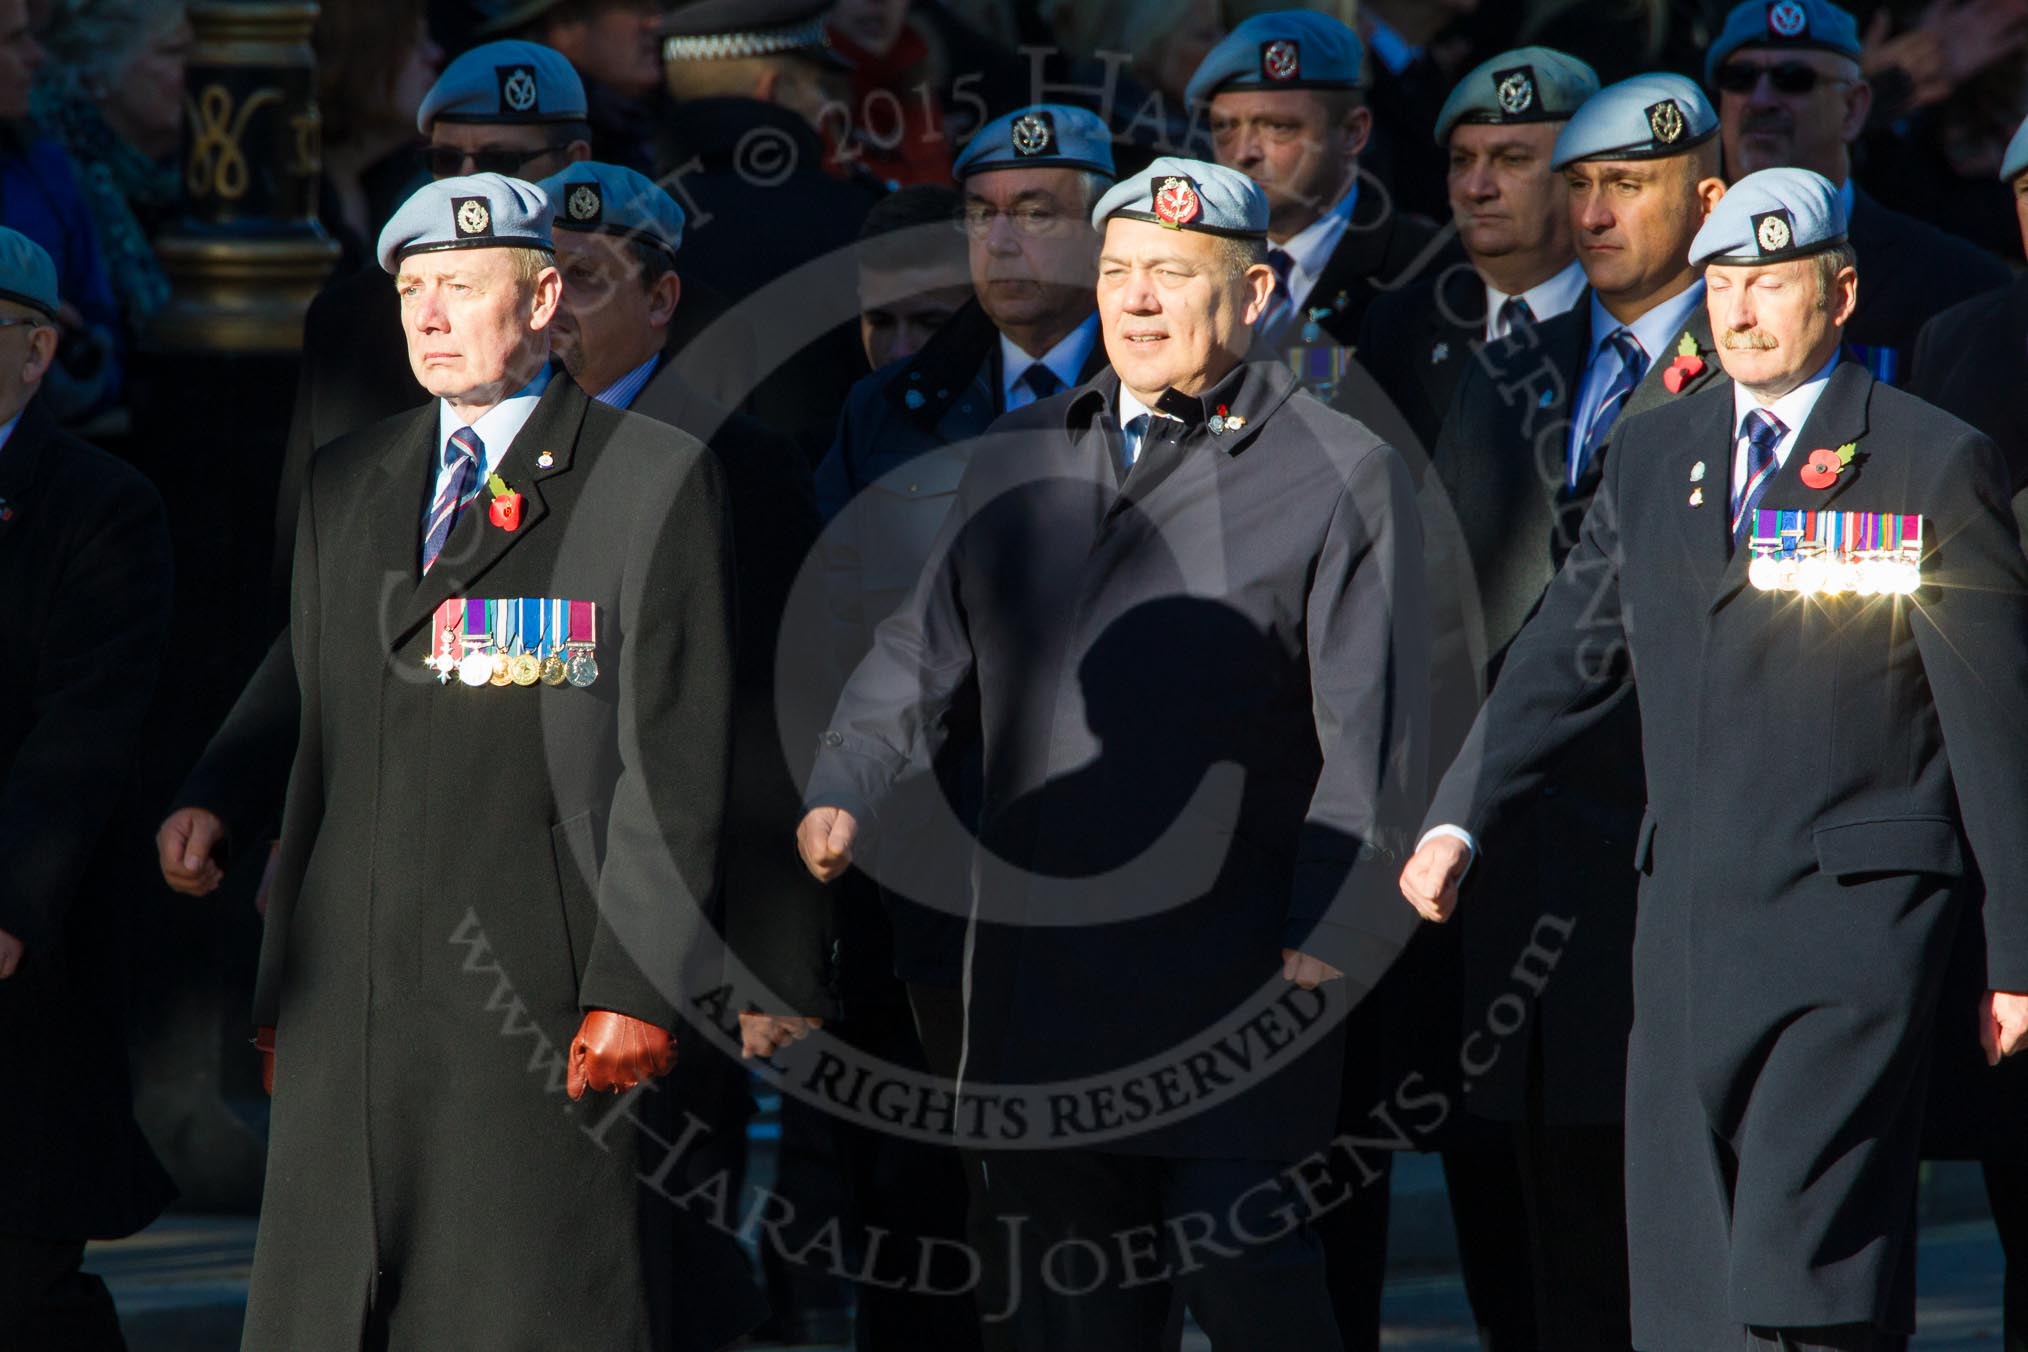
x,y
449,161
1790,77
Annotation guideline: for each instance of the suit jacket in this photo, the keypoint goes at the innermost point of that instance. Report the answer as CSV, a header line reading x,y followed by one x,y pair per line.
x,y
1824,775
85,601
463,872
886,486
1909,271
1201,693
1556,873
1418,343
1383,249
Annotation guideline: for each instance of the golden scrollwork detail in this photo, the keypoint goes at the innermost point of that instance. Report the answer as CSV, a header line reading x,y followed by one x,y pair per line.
x,y
218,164
308,129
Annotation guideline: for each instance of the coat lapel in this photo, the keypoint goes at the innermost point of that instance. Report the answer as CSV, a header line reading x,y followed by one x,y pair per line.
x,y
21,458
1839,417
476,544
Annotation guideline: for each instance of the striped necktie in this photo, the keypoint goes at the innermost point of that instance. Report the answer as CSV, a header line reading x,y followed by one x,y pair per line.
x,y
462,454
1514,314
1633,365
1763,432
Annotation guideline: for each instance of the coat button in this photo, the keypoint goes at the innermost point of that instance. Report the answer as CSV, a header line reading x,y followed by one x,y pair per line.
x,y
832,739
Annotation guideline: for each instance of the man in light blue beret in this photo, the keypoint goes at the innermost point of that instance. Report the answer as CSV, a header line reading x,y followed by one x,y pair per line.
x,y
500,85
1284,102
1159,518
469,577
1790,92
1800,527
1497,130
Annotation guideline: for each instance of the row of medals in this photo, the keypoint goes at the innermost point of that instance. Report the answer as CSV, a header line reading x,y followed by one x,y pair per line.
x,y
480,667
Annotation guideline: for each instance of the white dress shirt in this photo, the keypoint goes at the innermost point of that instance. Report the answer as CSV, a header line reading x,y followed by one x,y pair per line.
x,y
1545,300
1311,247
1790,411
1132,409
497,428
1065,361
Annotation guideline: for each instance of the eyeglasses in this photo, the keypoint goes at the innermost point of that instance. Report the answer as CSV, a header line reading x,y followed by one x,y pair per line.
x,y
1790,77
976,220
449,161
31,321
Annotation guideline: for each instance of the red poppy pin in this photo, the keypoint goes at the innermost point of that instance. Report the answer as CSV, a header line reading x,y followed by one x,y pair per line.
x,y
1825,466
505,509
1686,366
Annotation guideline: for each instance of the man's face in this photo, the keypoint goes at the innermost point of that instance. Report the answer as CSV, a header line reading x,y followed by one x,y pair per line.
x,y
27,346
20,56
1775,324
1288,142
1032,245
2020,186
606,324
1503,195
1173,314
899,308
871,25
1765,126
616,46
516,150
1633,221
474,331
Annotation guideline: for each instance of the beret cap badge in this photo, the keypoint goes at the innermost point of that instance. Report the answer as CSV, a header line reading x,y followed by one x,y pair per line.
x,y
1176,201
1033,134
1787,19
471,216
517,88
1281,60
584,203
1516,90
1773,232
1666,121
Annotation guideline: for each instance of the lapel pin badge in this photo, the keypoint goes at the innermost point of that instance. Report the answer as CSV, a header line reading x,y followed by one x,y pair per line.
x,y
1440,354
545,460
1697,497
1697,473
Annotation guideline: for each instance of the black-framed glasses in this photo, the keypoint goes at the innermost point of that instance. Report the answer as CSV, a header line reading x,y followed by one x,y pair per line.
x,y
1790,77
449,161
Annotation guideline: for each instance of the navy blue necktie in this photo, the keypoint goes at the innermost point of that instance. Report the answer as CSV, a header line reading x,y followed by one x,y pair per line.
x,y
465,451
1514,314
1633,365
1275,320
1041,381
1763,433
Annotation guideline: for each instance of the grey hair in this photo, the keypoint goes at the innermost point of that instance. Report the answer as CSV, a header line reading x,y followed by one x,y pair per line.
x,y
1241,254
93,40
1830,263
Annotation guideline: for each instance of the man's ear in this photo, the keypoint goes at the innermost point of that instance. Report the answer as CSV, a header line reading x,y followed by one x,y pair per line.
x,y
546,297
1708,192
1858,107
41,353
1260,283
1358,125
663,298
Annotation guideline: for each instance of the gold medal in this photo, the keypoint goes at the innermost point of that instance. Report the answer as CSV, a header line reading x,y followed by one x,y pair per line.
x,y
525,669
553,672
501,675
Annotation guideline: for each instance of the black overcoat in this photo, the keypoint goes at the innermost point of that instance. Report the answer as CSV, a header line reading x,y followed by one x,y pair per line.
x,y
85,604
1201,693
1418,342
1909,272
1824,775
464,871
1558,868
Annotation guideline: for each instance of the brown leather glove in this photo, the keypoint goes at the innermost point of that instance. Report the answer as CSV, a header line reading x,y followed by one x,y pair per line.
x,y
264,1043
616,1052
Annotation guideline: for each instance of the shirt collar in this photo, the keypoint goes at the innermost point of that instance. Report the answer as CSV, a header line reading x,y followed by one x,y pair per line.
x,y
1310,248
1656,330
1545,300
1390,48
1065,361
500,424
1845,199
1792,410
622,392
7,429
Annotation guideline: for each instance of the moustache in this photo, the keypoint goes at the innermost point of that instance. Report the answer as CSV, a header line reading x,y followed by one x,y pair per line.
x,y
1770,122
1753,340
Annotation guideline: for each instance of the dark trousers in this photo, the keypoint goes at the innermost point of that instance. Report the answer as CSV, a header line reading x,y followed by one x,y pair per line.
x,y
48,1305
1100,1241
1573,1179
1836,1338
2007,1193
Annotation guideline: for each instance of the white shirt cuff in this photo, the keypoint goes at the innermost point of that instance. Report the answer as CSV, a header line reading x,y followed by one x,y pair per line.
x,y
1455,833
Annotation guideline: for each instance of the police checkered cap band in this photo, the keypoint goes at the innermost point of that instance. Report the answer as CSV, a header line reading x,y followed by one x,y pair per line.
x,y
736,46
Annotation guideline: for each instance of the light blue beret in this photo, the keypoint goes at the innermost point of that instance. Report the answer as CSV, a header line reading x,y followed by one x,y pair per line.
x,y
1189,195
615,200
1646,118
517,82
476,211
1771,216
1042,136
1528,84
2016,158
1284,49
1783,23
27,276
